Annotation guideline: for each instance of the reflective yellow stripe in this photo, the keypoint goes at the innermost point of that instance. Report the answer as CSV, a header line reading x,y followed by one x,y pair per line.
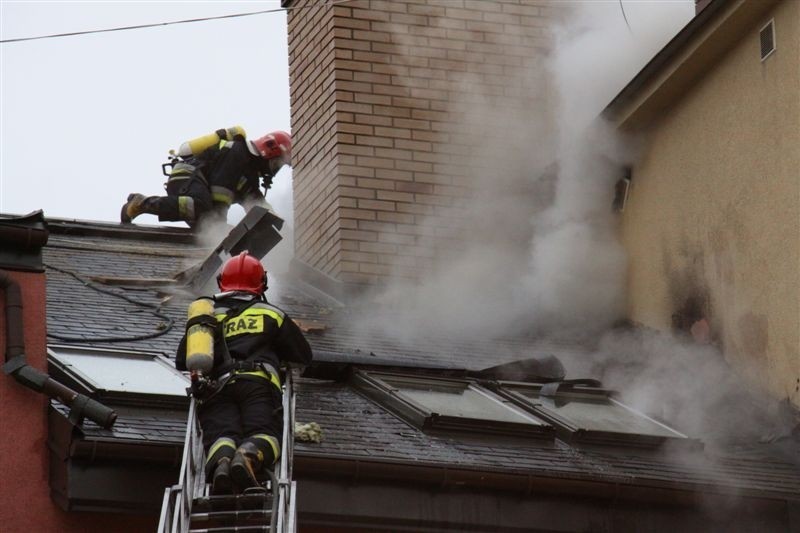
x,y
260,373
273,443
275,315
254,311
241,325
182,169
223,441
186,207
222,195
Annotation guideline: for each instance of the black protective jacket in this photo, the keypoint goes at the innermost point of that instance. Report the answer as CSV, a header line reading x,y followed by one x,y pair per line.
x,y
232,172
254,331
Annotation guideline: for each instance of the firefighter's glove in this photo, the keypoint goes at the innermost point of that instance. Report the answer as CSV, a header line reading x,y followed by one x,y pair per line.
x,y
202,388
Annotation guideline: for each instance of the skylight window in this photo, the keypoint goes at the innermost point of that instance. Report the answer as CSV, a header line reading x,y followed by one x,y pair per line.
x,y
449,404
588,414
575,412
126,376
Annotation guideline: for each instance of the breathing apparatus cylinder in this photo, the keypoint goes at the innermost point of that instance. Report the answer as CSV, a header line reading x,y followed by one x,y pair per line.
x,y
200,336
200,144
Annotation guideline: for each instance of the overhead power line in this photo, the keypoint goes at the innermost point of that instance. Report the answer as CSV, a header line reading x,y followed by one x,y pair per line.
x,y
624,16
156,24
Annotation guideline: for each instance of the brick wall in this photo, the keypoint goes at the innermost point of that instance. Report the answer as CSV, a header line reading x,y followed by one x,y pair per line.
x,y
313,102
402,112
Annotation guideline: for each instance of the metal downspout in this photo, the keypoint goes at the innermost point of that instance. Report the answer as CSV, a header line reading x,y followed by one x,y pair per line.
x,y
17,367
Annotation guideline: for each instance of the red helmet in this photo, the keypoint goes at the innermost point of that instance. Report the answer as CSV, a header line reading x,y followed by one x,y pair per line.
x,y
272,145
243,273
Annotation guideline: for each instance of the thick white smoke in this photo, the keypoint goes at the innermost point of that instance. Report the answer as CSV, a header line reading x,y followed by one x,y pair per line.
x,y
578,266
577,277
542,255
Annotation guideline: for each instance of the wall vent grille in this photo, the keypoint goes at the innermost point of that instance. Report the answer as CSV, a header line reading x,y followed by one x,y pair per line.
x,y
767,38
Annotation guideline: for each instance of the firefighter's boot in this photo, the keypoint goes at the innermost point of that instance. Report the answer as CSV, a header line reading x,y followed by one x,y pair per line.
x,y
136,205
245,464
221,482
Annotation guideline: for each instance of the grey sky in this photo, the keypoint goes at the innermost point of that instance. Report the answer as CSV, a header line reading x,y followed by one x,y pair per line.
x,y
90,118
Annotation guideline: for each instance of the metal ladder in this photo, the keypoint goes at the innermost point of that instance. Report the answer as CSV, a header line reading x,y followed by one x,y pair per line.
x,y
188,507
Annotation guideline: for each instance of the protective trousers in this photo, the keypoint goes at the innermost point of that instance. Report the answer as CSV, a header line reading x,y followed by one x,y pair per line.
x,y
247,409
188,198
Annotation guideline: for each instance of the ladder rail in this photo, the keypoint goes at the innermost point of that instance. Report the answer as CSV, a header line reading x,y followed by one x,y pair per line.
x,y
176,507
166,511
285,488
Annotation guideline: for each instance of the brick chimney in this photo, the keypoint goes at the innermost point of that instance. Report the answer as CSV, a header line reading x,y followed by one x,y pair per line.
x,y
393,106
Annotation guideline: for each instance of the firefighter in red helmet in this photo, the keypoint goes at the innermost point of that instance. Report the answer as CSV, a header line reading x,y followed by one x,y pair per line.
x,y
212,172
241,417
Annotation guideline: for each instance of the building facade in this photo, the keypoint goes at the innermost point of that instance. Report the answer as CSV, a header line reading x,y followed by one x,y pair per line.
x,y
711,219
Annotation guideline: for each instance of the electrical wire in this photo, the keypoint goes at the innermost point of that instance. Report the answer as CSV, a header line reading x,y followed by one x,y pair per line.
x,y
624,16
154,309
186,21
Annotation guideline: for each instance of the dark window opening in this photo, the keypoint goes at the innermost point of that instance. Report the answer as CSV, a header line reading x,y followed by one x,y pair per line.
x,y
621,189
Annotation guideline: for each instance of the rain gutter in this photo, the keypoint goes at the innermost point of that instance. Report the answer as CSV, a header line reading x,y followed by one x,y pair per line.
x,y
615,488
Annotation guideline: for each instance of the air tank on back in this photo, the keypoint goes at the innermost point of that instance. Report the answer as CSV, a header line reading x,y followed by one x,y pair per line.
x,y
200,336
200,144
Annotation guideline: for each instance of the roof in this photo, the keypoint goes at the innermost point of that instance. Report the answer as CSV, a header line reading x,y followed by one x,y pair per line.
x,y
355,427
96,271
684,59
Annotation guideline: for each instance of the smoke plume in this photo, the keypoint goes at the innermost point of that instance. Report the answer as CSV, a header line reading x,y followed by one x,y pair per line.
x,y
541,257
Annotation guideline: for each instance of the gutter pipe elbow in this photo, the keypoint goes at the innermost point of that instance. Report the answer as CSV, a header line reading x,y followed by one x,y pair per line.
x,y
17,367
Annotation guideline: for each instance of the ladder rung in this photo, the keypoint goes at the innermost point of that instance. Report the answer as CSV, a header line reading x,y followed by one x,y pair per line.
x,y
256,516
232,502
232,529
